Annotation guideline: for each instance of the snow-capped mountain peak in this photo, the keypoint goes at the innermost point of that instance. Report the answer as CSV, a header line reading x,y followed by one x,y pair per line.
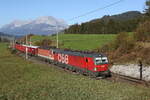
x,y
18,23
47,20
42,25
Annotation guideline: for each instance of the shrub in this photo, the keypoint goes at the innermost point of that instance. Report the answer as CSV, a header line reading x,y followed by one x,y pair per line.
x,y
107,47
123,43
143,32
44,42
37,43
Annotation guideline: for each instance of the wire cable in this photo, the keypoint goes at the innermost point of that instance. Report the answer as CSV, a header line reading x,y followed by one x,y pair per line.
x,y
93,11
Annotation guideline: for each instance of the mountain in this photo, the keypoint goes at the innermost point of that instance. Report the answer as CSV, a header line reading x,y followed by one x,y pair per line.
x,y
122,17
125,22
42,26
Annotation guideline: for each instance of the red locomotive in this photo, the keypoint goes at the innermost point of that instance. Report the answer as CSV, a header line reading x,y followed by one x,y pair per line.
x,y
87,63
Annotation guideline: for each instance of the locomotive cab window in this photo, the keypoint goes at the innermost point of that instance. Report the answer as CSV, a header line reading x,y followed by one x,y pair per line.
x,y
101,60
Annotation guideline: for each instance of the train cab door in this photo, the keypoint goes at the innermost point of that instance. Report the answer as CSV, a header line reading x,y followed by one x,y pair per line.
x,y
89,63
86,63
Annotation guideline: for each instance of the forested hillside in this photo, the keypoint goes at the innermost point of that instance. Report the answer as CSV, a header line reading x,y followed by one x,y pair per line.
x,y
126,22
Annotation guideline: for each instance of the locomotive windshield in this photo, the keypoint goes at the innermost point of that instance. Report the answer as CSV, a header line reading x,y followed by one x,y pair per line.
x,y
101,60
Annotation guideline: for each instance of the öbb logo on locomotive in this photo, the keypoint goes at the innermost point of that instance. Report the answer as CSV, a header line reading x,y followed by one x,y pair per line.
x,y
63,58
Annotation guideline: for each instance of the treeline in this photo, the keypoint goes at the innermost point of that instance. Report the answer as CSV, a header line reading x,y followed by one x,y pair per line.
x,y
6,37
3,39
125,22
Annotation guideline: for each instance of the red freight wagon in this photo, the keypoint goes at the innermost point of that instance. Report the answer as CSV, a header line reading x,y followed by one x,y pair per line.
x,y
33,50
20,47
45,53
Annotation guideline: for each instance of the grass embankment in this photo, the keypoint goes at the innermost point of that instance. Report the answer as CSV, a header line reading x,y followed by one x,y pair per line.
x,y
79,41
24,80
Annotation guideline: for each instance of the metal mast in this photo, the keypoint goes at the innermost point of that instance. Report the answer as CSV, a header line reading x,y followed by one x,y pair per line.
x,y
26,46
57,35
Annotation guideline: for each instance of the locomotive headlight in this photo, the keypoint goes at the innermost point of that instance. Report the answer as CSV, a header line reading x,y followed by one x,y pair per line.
x,y
95,69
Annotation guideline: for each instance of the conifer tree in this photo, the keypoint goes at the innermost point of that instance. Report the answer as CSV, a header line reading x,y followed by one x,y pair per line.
x,y
147,10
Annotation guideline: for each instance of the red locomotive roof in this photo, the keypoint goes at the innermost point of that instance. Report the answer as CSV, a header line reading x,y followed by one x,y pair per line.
x,y
73,52
47,47
79,53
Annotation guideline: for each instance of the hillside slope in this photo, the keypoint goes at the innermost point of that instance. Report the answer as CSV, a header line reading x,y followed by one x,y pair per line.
x,y
78,41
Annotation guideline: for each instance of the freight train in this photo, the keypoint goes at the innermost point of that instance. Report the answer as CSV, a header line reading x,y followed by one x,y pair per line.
x,y
93,64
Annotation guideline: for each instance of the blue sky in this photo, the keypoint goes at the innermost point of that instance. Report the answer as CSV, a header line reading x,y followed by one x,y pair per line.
x,y
30,9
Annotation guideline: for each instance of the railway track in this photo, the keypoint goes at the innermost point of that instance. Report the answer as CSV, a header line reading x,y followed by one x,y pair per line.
x,y
127,79
114,77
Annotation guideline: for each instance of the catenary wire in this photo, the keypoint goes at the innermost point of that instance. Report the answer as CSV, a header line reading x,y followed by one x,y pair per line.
x,y
93,11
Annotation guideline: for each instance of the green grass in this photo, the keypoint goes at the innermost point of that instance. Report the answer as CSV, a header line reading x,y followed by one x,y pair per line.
x,y
79,41
25,80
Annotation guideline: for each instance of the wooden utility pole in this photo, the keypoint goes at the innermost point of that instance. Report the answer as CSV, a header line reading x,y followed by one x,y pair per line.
x,y
141,69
